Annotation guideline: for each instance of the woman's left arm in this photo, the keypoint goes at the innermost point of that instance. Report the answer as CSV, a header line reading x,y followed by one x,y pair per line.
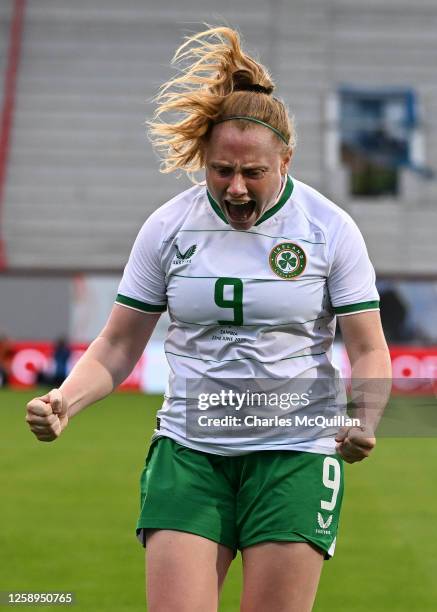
x,y
371,382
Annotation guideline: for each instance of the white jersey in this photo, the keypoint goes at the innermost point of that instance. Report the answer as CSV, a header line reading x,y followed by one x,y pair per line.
x,y
255,304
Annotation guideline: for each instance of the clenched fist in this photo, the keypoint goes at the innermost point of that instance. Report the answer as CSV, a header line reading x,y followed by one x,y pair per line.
x,y
354,443
47,415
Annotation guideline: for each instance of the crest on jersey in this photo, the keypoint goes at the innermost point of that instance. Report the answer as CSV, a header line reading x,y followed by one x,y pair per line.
x,y
180,257
287,260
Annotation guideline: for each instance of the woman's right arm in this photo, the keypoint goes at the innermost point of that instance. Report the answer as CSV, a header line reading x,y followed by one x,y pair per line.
x,y
106,363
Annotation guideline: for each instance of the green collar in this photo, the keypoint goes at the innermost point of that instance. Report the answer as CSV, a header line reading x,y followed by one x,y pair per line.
x,y
288,189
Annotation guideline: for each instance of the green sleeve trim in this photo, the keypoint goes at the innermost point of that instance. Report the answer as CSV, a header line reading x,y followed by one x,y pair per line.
x,y
373,305
126,301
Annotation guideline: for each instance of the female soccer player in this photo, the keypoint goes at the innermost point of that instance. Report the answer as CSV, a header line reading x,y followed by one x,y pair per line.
x,y
253,269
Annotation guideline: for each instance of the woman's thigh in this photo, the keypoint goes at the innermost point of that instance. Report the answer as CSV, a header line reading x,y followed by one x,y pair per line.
x,y
184,572
280,577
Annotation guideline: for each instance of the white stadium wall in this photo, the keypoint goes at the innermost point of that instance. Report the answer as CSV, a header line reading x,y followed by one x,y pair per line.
x,y
82,176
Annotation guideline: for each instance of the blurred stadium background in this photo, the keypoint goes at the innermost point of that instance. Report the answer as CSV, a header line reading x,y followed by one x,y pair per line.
x,y
77,180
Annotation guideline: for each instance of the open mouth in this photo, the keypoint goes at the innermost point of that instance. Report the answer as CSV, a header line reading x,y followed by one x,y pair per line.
x,y
240,212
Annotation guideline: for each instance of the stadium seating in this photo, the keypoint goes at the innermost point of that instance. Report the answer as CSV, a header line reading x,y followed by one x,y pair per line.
x,y
82,175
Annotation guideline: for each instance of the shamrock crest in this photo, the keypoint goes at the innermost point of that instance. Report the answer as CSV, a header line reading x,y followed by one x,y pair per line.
x,y
287,261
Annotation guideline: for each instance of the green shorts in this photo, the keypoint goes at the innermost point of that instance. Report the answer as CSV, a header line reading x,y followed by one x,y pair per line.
x,y
238,501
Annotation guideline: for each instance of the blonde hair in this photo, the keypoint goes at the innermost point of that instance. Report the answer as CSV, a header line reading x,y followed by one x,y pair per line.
x,y
218,81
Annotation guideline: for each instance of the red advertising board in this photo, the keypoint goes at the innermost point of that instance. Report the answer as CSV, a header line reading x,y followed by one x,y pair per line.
x,y
29,358
414,368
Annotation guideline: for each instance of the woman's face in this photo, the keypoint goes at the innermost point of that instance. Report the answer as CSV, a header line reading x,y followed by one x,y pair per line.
x,y
243,171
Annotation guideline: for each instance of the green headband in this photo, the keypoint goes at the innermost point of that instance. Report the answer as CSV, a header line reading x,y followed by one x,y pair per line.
x,y
254,120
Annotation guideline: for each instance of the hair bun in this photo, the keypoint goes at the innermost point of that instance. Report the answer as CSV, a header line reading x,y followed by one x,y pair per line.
x,y
242,81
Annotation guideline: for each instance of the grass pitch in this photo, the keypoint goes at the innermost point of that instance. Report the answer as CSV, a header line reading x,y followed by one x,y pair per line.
x,y
68,511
